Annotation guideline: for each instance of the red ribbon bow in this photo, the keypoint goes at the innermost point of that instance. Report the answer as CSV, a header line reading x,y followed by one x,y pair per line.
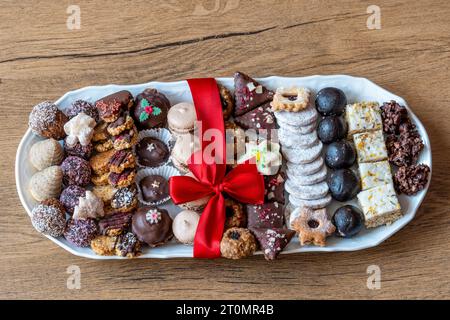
x,y
243,183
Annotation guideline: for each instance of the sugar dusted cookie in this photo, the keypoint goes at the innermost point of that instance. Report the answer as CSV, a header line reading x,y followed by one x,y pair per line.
x,y
312,192
301,156
48,218
80,129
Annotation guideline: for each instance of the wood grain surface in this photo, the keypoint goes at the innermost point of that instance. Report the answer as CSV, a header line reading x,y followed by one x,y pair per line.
x,y
139,41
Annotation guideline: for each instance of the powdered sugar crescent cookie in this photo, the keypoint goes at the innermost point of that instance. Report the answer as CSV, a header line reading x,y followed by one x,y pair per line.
x,y
290,140
292,100
313,204
302,118
294,169
312,192
297,129
306,180
300,155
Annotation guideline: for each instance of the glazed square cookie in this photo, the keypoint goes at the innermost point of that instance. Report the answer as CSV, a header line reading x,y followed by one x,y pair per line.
x,y
380,205
363,116
375,174
370,146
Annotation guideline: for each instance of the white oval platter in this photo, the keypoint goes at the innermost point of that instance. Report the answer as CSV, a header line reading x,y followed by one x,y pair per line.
x,y
356,89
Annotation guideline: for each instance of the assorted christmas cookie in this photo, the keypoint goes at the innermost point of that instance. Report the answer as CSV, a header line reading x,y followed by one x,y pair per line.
x,y
267,215
125,199
313,226
89,206
293,99
274,187
46,153
260,118
152,225
80,129
80,232
184,226
48,217
115,224
348,220
184,147
70,197
150,110
111,107
81,106
235,215
76,171
237,243
122,179
152,152
181,118
227,100
78,149
47,183
249,94
123,123
154,189
330,101
47,121
272,241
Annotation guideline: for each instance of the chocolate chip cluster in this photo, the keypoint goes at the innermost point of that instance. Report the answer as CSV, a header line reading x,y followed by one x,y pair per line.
x,y
410,180
404,145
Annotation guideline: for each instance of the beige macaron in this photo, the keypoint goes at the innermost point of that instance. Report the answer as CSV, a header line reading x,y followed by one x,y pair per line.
x,y
181,118
196,205
184,147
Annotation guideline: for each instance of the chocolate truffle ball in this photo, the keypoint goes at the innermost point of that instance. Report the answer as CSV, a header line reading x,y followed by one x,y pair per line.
x,y
150,110
331,128
344,185
85,107
47,121
152,152
154,188
48,218
340,154
152,226
349,220
78,149
76,171
330,101
80,232
70,197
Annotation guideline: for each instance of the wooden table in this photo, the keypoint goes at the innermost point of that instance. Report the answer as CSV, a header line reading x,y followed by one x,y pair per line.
x,y
120,42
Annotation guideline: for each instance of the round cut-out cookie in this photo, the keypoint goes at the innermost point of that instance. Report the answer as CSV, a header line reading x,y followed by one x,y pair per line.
x,y
312,192
302,155
313,204
297,129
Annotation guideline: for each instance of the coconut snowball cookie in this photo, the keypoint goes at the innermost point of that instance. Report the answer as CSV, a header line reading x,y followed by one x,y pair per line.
x,y
184,226
47,121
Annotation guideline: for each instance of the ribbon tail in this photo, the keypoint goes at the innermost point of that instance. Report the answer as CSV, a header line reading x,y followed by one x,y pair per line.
x,y
210,229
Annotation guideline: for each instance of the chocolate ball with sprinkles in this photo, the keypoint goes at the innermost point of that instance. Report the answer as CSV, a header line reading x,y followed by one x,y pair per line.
x,y
82,106
48,218
80,232
152,152
70,197
47,121
76,171
152,225
150,110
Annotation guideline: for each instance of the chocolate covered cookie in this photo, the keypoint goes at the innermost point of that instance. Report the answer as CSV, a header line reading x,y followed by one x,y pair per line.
x,y
150,110
152,225
154,188
110,107
152,152
249,94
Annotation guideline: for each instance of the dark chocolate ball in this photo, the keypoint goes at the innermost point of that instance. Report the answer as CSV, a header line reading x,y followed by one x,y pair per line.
x,y
150,110
152,152
340,154
348,221
332,128
152,226
343,184
154,188
330,101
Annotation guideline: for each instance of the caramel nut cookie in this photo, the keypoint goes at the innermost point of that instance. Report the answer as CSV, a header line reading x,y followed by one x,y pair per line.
x,y
104,245
121,160
104,192
292,100
313,226
125,199
100,132
100,163
227,100
100,180
115,224
124,122
235,215
104,145
126,139
110,107
123,179
237,243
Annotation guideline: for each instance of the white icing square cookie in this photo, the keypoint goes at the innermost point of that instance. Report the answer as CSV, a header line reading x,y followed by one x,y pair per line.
x,y
380,205
374,174
370,146
363,116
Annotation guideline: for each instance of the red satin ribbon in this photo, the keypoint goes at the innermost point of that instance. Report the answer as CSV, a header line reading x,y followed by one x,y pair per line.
x,y
244,183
